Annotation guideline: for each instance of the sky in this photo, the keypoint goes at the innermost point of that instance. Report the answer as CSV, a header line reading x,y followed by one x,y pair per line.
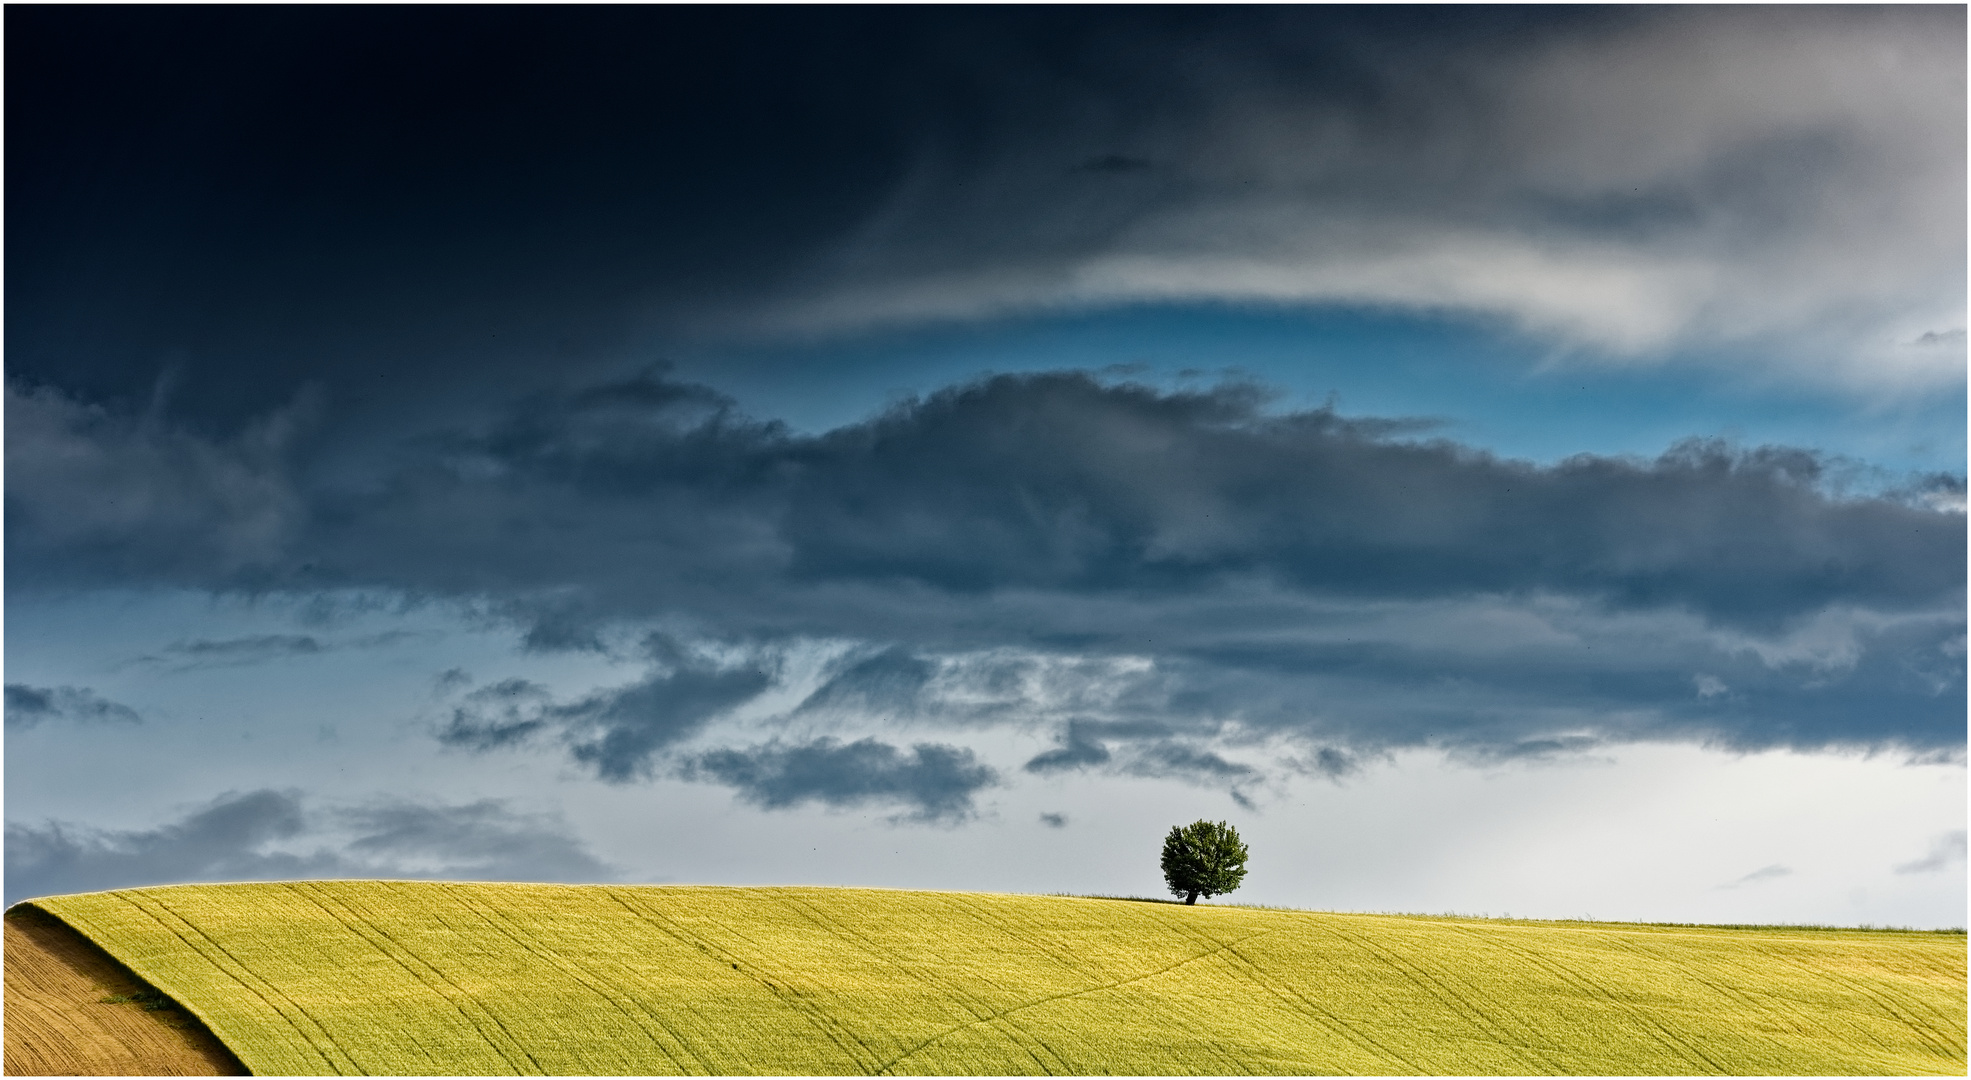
x,y
1504,461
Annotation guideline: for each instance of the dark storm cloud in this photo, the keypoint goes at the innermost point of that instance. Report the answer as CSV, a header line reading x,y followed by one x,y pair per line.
x,y
138,497
1061,483
422,209
1057,483
375,198
937,782
28,706
1060,514
237,837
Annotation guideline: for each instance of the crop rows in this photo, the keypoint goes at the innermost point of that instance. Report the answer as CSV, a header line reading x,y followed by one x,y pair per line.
x,y
423,977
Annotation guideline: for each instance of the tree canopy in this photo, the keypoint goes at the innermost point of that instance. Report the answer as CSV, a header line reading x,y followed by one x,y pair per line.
x,y
1203,859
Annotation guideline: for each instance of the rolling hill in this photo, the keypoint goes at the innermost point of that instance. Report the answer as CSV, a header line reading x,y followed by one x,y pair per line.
x,y
344,977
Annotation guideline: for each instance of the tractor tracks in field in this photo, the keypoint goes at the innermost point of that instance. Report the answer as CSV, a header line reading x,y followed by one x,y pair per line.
x,y
1101,988
1078,966
1300,1003
1677,1044
982,1011
1882,999
1887,1002
830,1026
1779,1009
1523,1046
434,979
1063,956
591,981
313,1033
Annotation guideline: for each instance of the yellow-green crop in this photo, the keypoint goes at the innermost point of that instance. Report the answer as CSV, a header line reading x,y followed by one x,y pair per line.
x,y
425,977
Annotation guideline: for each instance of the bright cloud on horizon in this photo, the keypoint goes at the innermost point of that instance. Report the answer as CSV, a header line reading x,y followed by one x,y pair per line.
x,y
359,523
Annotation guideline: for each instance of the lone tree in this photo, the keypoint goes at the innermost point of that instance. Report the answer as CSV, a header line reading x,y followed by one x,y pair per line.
x,y
1203,859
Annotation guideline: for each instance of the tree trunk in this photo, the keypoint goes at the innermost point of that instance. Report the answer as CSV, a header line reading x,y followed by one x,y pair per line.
x,y
1193,898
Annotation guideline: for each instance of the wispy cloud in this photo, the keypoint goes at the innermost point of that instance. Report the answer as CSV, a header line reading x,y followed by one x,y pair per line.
x,y
27,706
246,650
256,649
1764,873
1946,851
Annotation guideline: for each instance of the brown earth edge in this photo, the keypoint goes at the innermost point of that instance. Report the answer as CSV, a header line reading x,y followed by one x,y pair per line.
x,y
58,1023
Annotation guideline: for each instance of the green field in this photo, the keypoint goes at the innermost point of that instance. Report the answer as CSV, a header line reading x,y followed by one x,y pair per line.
x,y
425,977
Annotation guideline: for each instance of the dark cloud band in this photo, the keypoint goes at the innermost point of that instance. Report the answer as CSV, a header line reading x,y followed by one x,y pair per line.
x,y
935,782
1056,483
1062,514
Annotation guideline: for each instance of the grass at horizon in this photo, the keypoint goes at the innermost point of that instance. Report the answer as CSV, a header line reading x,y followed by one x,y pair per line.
x,y
1488,917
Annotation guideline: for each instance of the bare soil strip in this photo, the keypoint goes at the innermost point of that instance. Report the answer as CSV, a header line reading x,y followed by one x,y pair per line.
x,y
59,1025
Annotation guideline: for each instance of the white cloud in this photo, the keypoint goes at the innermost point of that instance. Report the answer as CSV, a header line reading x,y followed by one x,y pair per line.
x,y
1783,183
